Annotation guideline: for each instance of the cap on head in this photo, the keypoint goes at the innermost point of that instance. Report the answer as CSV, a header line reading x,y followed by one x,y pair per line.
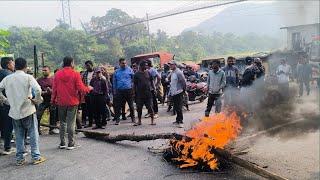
x,y
249,60
97,70
172,63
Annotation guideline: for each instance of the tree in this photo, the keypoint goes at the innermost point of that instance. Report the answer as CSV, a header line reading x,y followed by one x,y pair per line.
x,y
4,43
115,50
23,39
71,42
136,47
115,18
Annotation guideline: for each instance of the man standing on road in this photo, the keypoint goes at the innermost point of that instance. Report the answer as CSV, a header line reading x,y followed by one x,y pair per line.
x,y
143,83
177,89
122,85
18,88
46,85
7,65
164,81
283,73
216,82
247,90
156,79
304,73
67,85
232,82
87,106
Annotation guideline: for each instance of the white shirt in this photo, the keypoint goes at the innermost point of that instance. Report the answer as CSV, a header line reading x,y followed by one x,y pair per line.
x,y
175,85
18,90
89,78
283,77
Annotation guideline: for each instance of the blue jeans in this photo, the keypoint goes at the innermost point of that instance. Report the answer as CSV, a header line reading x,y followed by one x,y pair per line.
x,y
21,126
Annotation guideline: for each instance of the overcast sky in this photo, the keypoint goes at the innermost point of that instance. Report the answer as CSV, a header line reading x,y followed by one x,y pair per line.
x,y
45,13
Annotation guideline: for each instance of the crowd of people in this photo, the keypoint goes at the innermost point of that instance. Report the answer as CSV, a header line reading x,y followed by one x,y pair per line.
x,y
101,96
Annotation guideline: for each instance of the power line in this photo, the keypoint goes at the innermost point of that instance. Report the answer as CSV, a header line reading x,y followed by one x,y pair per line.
x,y
167,15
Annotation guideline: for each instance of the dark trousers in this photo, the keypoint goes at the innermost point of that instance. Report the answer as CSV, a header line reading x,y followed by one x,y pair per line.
x,y
214,99
7,126
99,110
177,106
121,98
78,120
165,93
306,83
52,114
123,108
154,103
87,109
283,88
144,101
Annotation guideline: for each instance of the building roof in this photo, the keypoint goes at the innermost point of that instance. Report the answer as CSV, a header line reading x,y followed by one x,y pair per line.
x,y
300,25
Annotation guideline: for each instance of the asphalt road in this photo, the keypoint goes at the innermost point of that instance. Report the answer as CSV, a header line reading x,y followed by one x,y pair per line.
x,y
291,151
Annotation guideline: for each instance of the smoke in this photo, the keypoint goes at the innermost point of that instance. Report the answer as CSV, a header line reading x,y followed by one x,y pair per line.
x,y
298,12
273,107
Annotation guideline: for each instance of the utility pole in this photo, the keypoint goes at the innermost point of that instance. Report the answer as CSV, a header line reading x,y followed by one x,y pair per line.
x,y
148,26
42,58
66,14
35,61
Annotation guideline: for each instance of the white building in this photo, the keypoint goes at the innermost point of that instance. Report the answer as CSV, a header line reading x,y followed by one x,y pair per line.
x,y
298,37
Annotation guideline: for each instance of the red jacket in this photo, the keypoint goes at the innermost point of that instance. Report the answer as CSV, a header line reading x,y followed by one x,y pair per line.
x,y
67,85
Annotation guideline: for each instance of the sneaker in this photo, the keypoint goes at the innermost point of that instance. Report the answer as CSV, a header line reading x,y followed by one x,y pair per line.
x,y
175,123
72,147
155,116
117,123
25,154
38,161
207,114
147,115
180,125
21,162
62,146
124,118
8,151
54,131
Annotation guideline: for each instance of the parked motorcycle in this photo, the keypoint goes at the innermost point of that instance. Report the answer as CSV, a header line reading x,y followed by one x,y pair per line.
x,y
196,89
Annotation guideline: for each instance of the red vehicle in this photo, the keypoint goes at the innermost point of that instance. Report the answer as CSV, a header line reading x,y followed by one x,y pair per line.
x,y
160,58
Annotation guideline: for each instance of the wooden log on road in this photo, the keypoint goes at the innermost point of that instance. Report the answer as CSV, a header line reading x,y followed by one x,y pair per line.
x,y
247,165
219,152
130,137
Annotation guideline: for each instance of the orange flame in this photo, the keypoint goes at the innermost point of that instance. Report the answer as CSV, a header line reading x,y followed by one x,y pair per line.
x,y
212,132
